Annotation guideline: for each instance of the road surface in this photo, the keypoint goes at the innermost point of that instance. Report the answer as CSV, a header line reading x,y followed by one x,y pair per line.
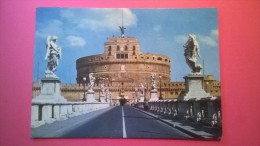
x,y
124,122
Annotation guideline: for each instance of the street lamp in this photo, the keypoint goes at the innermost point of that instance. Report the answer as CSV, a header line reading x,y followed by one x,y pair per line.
x,y
99,100
145,90
84,84
160,97
106,94
207,87
110,98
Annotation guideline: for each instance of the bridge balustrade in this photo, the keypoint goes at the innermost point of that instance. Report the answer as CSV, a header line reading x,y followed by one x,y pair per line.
x,y
157,106
152,106
43,113
162,106
174,108
205,111
169,108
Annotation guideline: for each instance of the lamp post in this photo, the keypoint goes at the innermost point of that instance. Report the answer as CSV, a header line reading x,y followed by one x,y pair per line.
x,y
145,90
207,87
106,94
84,84
160,97
110,98
99,100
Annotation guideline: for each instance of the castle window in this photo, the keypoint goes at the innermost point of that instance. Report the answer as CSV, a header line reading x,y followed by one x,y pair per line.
x,y
147,57
134,53
166,60
133,48
121,56
171,93
109,50
159,58
117,48
126,48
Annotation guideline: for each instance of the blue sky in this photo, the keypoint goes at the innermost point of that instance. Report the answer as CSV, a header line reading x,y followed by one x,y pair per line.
x,y
83,32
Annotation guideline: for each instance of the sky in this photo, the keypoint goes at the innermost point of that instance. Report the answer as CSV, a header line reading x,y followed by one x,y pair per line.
x,y
83,32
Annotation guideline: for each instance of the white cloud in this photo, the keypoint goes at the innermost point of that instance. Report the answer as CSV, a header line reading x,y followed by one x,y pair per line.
x,y
99,19
207,40
214,33
76,41
181,39
210,40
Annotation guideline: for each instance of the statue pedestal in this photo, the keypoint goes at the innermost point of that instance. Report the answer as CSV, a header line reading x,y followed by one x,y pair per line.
x,y
194,88
102,98
154,95
141,98
91,97
50,91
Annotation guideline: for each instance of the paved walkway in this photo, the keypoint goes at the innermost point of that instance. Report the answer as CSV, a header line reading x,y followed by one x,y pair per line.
x,y
197,130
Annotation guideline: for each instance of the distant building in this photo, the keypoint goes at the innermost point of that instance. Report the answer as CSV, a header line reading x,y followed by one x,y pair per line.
x,y
211,85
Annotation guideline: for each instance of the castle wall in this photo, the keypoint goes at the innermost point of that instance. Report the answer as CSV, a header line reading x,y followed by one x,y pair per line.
x,y
75,92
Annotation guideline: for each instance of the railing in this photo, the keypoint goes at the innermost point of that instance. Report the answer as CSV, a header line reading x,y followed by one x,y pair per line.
x,y
188,110
44,112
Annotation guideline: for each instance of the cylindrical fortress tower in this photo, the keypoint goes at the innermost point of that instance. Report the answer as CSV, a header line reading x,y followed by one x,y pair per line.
x,y
123,67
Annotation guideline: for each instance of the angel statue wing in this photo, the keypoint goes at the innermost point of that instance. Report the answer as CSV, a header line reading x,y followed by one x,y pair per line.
x,y
48,45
